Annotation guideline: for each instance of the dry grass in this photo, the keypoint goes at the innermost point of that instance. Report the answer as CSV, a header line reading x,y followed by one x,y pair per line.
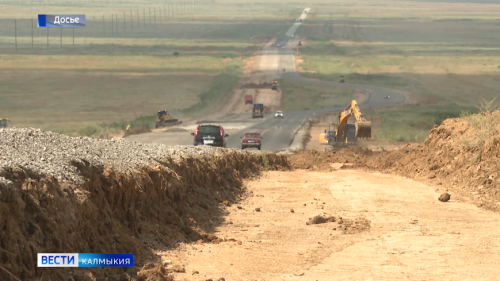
x,y
438,51
131,73
485,124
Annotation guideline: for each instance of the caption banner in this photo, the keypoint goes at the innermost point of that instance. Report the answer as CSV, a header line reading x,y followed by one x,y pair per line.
x,y
85,260
61,20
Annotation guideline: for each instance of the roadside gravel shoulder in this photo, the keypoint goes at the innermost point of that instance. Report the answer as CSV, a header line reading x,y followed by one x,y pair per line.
x,y
59,156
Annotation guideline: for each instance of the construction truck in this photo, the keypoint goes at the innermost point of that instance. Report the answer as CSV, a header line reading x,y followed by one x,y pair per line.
x,y
165,120
248,99
258,110
274,85
341,80
3,122
363,127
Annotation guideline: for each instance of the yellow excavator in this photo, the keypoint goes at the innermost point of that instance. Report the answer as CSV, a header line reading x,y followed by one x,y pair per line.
x,y
274,85
165,120
363,126
3,122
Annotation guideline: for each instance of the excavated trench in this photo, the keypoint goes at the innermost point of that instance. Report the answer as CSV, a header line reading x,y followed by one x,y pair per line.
x,y
113,208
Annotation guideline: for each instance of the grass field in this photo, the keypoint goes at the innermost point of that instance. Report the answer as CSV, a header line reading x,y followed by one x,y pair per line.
x,y
301,95
444,53
124,69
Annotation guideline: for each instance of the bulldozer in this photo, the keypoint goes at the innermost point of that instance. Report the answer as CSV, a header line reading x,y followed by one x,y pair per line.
x,y
274,85
363,127
165,120
3,122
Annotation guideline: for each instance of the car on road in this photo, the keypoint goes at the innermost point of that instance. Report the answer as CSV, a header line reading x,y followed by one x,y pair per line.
x,y
279,45
251,139
278,113
283,47
212,135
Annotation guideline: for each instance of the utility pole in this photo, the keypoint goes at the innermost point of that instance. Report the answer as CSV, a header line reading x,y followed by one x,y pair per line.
x,y
32,33
15,33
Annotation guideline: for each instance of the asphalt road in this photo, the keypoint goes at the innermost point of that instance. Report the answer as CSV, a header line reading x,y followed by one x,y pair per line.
x,y
277,134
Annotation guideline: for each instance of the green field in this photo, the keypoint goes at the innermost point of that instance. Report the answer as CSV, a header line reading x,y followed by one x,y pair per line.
x,y
443,53
299,95
124,67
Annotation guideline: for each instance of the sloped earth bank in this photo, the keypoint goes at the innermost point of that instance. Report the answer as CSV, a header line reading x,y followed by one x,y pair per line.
x,y
455,157
79,195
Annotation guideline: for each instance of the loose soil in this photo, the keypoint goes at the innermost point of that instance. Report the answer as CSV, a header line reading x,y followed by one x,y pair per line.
x,y
447,158
369,226
117,211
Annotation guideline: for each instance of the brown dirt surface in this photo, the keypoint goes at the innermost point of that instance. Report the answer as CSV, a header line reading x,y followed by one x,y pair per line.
x,y
137,131
460,159
118,211
322,161
385,228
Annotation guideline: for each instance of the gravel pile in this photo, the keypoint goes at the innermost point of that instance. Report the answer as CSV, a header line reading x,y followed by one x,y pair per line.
x,y
51,154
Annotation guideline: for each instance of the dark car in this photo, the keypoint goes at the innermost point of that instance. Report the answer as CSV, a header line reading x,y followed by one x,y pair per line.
x,y
212,135
251,140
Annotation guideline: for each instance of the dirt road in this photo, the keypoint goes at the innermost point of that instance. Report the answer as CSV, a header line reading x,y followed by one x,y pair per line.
x,y
391,229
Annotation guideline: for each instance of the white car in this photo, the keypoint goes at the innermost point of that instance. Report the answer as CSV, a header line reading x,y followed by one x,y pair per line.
x,y
278,114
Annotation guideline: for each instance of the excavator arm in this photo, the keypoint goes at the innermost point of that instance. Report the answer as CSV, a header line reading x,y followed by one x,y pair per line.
x,y
363,127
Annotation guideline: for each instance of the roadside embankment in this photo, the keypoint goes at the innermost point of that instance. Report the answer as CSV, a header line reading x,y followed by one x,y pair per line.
x,y
79,195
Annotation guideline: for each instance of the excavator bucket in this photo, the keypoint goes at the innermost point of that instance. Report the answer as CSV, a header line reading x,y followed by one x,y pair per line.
x,y
323,138
363,129
170,122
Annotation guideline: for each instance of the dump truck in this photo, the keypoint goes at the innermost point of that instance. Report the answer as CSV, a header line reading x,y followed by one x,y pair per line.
x,y
258,110
274,85
165,120
248,99
363,126
3,122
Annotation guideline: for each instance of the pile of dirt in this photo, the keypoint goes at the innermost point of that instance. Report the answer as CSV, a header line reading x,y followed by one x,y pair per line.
x,y
320,161
264,85
347,226
71,202
137,131
462,156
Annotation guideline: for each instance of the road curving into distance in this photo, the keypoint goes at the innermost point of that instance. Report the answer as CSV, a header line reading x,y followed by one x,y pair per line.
x,y
277,134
